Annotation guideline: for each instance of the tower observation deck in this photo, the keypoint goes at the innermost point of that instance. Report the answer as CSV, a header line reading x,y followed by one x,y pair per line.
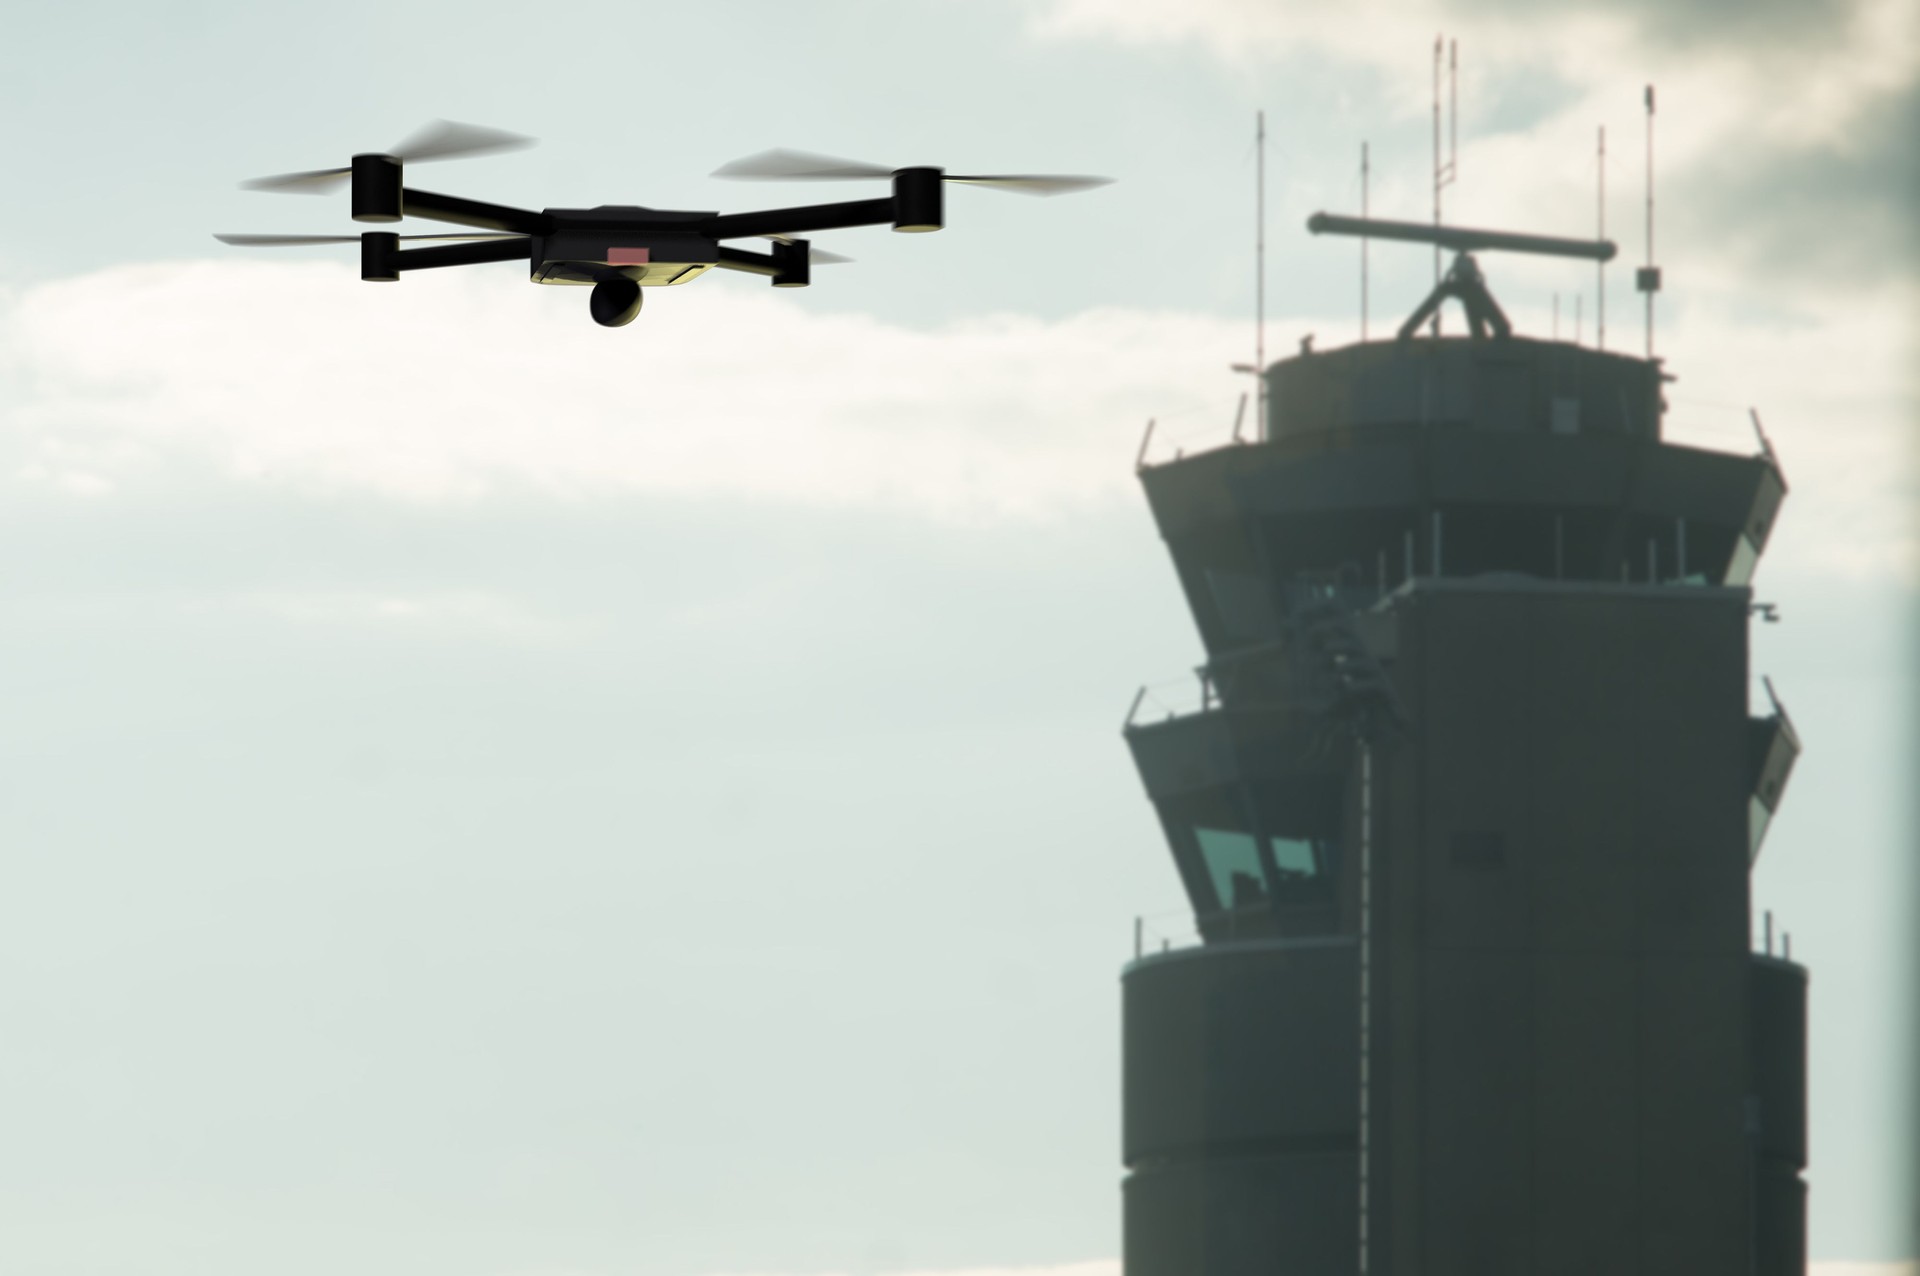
x,y
1466,822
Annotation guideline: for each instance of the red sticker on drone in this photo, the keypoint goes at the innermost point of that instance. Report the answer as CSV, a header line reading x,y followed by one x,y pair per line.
x,y
629,256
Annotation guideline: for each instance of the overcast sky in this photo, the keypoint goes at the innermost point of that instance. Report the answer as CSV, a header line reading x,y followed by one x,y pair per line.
x,y
494,796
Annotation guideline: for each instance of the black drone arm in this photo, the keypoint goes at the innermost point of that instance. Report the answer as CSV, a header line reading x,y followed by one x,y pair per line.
x,y
473,254
797,221
472,212
750,263
789,265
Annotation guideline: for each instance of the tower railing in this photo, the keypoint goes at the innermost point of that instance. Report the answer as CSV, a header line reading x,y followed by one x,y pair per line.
x,y
1703,424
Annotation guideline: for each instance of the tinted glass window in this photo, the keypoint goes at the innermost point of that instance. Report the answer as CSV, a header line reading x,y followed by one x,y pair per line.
x,y
1233,863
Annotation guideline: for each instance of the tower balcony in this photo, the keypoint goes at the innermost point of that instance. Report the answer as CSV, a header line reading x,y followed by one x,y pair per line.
x,y
1390,461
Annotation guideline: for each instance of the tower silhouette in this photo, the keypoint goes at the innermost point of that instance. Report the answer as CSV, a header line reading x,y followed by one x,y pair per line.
x,y
1466,819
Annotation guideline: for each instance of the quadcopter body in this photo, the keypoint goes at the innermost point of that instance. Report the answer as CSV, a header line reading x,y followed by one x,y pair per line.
x,y
653,247
619,249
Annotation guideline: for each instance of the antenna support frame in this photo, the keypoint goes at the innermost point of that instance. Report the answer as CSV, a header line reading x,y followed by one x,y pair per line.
x,y
1463,282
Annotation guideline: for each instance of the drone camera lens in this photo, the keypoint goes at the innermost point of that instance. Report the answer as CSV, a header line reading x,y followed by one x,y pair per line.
x,y
615,302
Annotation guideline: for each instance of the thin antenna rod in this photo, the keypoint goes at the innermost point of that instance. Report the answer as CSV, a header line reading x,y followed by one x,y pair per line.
x,y
1365,170
1600,317
1649,278
1260,275
1443,173
1438,42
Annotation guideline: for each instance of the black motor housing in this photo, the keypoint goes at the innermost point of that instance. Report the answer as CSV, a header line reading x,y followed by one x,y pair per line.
x,y
377,248
376,188
917,199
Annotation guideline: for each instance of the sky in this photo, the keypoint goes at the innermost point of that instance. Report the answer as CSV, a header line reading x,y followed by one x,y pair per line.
x,y
494,796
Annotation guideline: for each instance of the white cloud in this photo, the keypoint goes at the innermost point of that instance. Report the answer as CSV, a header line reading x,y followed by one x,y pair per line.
x,y
1910,1268
1808,103
1835,395
1859,49
452,386
455,386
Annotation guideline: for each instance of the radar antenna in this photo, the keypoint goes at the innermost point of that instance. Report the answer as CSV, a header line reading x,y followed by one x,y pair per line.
x,y
1463,280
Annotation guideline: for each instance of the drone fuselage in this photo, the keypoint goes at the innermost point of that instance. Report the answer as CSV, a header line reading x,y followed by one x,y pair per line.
x,y
619,249
653,247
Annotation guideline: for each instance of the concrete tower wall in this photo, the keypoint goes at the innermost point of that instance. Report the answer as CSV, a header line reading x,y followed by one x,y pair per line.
x,y
1780,1110
1562,943
1240,1110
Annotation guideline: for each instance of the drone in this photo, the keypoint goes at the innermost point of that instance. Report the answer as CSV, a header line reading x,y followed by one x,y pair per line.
x,y
618,249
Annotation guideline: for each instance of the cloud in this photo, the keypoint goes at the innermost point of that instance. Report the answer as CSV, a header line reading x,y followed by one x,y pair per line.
x,y
1909,1268
1844,208
464,387
1691,25
1836,50
449,387
1786,132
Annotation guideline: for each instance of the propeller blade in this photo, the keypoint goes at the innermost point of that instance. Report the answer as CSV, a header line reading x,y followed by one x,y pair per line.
x,y
293,241
442,139
316,182
284,241
448,139
1035,183
798,166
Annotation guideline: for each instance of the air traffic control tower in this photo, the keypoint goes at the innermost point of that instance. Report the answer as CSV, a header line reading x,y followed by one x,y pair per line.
x,y
1466,820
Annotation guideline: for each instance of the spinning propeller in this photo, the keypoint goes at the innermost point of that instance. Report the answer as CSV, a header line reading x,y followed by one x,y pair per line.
x,y
618,250
799,166
442,139
296,241
817,256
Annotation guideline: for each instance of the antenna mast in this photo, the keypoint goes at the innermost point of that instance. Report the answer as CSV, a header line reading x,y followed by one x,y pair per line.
x,y
1364,212
1647,279
1260,274
1600,308
1437,41
1443,174
1444,171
